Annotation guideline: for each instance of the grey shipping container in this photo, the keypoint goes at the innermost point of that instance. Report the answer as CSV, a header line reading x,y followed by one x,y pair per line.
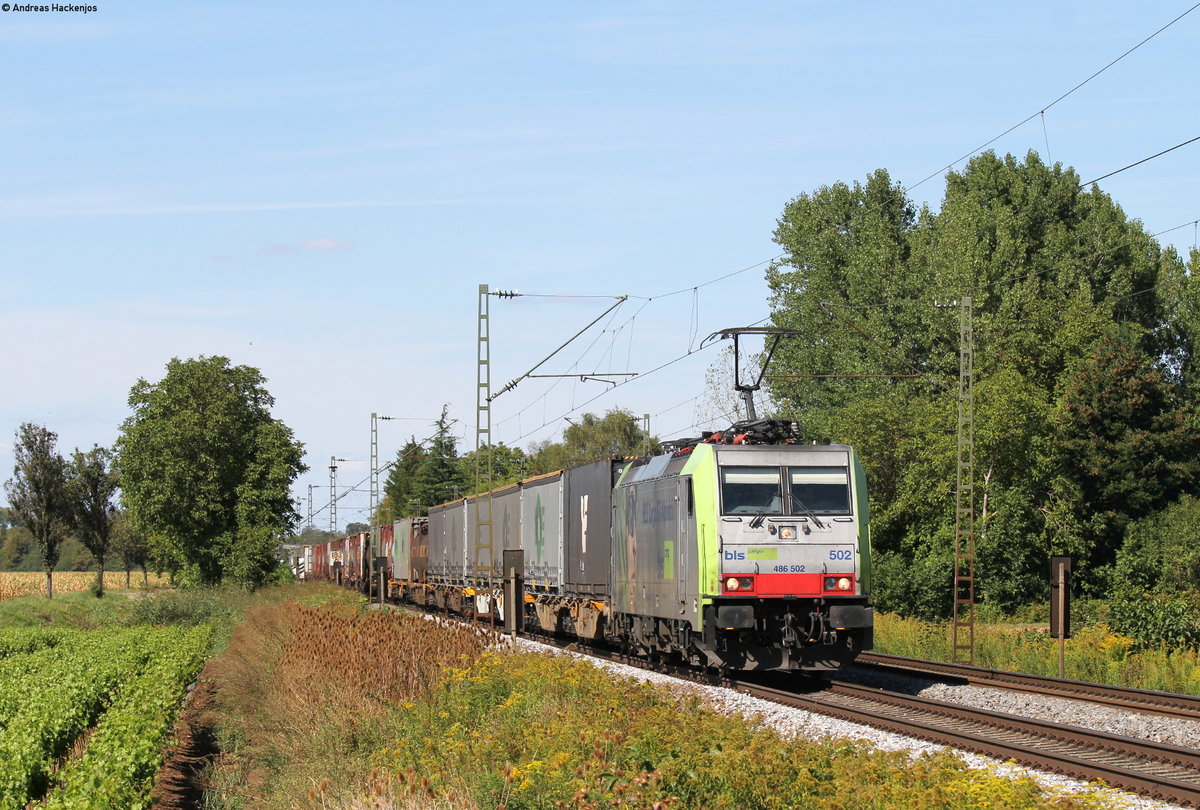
x,y
439,553
402,549
588,528
506,529
542,531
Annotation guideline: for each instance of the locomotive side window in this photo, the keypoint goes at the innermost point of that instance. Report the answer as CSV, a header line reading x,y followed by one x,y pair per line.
x,y
822,490
751,491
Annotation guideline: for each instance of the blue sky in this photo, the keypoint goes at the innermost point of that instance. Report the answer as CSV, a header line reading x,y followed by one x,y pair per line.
x,y
318,189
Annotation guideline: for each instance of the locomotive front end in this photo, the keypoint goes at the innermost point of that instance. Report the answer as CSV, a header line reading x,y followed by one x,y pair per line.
x,y
792,552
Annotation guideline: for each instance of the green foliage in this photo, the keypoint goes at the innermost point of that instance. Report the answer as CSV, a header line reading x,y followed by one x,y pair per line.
x,y
91,487
74,687
19,552
1085,408
509,465
1095,652
1152,620
206,471
617,433
1123,447
423,477
130,543
187,607
1161,553
535,731
400,487
117,769
37,493
69,610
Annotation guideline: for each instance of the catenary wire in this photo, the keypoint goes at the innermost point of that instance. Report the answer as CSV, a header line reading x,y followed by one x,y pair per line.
x,y
1056,101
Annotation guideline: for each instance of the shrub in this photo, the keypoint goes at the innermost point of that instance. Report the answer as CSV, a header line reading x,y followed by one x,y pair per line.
x,y
190,606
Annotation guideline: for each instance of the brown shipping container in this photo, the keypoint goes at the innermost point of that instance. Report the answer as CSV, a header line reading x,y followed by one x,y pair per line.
x,y
419,550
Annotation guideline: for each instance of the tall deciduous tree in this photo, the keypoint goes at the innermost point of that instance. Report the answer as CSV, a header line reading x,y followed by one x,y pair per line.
x,y
91,487
132,545
1052,268
617,433
206,470
37,493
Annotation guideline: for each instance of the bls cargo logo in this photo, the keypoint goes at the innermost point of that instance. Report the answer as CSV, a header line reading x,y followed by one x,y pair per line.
x,y
752,554
658,511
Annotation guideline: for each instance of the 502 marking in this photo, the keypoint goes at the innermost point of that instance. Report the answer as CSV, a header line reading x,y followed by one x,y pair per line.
x,y
788,569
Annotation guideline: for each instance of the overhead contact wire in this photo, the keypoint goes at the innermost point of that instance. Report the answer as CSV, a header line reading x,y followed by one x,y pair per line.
x,y
1042,111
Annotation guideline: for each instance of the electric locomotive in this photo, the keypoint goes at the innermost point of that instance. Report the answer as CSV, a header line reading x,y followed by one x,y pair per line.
x,y
744,551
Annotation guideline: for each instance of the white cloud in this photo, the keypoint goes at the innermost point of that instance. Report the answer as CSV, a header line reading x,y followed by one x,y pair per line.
x,y
326,244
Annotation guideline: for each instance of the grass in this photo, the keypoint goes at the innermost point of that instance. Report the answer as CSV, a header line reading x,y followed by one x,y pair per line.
x,y
332,707
1094,653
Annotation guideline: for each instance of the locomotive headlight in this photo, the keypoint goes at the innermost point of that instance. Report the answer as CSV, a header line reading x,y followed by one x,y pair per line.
x,y
739,583
844,584
838,583
787,532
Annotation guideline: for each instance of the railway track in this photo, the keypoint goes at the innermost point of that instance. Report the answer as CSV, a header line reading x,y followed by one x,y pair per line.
x,y
1166,704
1164,772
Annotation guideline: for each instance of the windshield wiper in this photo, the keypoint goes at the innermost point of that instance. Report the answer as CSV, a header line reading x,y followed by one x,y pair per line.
x,y
761,515
808,513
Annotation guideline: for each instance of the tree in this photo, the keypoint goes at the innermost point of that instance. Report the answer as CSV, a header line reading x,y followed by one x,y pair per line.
x,y
439,478
1123,448
1052,268
206,470
37,493
132,545
509,465
399,488
592,438
91,486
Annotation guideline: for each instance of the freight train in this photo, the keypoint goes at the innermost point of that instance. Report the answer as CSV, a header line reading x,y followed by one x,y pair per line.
x,y
744,549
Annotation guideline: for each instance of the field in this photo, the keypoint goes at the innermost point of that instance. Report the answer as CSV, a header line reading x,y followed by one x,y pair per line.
x,y
14,584
318,702
86,713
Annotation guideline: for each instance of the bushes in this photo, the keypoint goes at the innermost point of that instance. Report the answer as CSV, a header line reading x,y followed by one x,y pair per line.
x,y
188,607
1157,619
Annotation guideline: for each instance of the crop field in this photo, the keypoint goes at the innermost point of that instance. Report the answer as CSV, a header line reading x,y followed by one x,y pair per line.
x,y
86,713
14,584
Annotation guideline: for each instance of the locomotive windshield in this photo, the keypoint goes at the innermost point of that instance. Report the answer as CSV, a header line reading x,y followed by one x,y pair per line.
x,y
823,490
751,491
760,491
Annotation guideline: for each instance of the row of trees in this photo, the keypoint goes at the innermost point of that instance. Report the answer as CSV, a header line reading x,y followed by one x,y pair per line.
x,y
427,473
53,497
1087,392
204,473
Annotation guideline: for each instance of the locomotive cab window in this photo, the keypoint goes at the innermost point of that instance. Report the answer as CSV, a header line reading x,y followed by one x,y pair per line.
x,y
821,490
751,491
